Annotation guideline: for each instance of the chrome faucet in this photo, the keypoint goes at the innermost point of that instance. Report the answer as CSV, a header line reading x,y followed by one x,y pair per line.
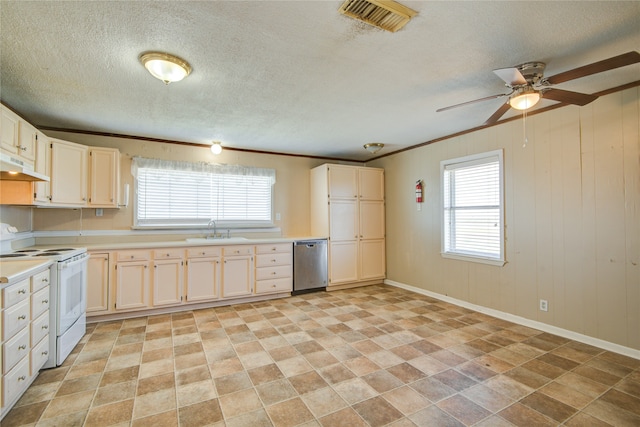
x,y
211,222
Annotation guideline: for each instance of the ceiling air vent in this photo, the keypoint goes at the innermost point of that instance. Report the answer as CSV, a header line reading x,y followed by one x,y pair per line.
x,y
388,15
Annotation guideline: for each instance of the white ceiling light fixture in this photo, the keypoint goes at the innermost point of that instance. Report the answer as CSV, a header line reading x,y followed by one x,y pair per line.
x,y
165,67
216,148
373,147
524,98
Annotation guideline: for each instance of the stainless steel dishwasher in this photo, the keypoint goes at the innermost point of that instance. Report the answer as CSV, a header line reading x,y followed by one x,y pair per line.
x,y
309,266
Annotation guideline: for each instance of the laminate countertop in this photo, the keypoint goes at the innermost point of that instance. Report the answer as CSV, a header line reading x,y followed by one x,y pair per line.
x,y
15,270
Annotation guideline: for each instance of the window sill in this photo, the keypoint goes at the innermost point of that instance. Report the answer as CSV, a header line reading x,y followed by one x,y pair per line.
x,y
476,259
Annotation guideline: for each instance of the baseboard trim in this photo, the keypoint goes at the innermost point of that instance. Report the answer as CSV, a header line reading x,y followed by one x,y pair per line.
x,y
586,339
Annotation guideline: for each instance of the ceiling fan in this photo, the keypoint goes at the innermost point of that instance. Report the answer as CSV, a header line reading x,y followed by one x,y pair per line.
x,y
528,84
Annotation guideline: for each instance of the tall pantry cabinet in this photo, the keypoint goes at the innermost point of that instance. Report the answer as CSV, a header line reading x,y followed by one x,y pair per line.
x,y
347,205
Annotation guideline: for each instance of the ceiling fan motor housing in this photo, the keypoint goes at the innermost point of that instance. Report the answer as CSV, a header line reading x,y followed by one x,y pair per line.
x,y
531,71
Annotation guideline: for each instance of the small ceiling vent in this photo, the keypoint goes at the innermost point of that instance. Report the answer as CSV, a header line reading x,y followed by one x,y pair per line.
x,y
388,15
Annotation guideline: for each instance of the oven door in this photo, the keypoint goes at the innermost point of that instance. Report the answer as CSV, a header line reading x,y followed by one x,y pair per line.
x,y
72,293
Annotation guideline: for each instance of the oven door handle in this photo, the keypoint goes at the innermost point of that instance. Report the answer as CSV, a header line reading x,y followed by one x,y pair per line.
x,y
73,263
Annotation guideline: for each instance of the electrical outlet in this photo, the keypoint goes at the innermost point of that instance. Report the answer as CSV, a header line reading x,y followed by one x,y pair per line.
x,y
99,212
544,305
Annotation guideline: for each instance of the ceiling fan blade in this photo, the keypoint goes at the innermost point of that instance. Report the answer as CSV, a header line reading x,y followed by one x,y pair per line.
x,y
569,97
512,76
486,98
597,67
499,113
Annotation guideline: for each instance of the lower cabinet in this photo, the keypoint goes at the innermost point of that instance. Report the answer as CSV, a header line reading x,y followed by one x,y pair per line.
x,y
98,283
168,274
203,274
237,271
274,268
132,280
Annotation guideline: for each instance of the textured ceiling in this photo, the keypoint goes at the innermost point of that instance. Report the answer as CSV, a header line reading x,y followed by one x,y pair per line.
x,y
294,76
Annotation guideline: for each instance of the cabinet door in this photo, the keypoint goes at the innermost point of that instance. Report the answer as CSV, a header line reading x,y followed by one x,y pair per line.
x,y
104,177
371,220
203,278
343,182
42,189
9,130
98,283
371,183
237,276
132,285
167,282
343,262
27,141
372,259
343,220
68,173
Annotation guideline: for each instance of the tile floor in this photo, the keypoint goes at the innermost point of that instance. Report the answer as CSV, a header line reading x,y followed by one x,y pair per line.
x,y
376,356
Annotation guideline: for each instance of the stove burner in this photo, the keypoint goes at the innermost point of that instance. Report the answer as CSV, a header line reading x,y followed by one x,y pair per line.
x,y
12,255
58,250
26,251
47,253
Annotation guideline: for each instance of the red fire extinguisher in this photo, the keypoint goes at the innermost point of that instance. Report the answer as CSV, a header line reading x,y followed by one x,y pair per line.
x,y
418,191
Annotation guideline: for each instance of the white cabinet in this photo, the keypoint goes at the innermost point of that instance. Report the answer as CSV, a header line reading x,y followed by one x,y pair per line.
x,y
104,177
68,173
347,206
132,280
203,274
98,283
24,324
168,274
274,268
42,189
17,136
237,271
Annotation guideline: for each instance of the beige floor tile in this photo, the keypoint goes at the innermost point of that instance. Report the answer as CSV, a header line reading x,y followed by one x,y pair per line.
x,y
195,392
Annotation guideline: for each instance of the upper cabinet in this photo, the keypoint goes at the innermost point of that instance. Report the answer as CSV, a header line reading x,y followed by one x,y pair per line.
x,y
18,137
104,177
69,173
42,189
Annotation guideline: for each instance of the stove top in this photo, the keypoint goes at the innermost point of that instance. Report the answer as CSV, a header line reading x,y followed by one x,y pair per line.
x,y
58,254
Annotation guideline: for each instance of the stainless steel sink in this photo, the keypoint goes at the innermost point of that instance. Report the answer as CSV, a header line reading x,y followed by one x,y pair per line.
x,y
220,240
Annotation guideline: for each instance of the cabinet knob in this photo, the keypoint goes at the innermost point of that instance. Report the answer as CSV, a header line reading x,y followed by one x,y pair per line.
x,y
131,256
273,260
45,301
274,273
203,253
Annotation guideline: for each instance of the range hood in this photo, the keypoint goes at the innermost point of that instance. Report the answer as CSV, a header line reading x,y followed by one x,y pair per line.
x,y
14,169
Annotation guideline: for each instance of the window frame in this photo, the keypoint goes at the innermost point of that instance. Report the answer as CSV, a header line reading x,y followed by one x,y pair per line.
x,y
467,161
200,167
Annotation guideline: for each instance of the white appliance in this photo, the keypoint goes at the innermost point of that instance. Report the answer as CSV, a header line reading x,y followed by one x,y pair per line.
x,y
67,299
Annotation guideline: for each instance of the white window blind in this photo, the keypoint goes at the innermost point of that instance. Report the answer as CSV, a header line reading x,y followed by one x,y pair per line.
x,y
172,193
473,208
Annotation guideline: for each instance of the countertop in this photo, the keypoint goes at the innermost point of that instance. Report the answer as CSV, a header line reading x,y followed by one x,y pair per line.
x,y
15,270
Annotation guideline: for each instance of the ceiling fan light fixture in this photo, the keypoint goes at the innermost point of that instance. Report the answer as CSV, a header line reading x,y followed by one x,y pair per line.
x,y
165,67
216,148
524,99
373,147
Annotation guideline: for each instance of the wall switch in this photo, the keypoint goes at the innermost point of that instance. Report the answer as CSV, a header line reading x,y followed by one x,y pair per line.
x,y
277,216
544,305
99,212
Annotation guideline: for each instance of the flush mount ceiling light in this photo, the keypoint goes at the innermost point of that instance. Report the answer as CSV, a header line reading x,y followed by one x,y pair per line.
x,y
216,148
524,98
165,67
373,147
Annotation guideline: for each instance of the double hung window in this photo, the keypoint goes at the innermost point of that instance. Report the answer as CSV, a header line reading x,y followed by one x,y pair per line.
x,y
473,208
182,194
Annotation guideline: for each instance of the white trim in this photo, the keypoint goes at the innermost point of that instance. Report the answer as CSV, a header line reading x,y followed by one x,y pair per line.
x,y
479,259
145,232
596,342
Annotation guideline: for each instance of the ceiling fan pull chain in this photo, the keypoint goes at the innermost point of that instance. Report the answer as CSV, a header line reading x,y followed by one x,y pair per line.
x,y
524,128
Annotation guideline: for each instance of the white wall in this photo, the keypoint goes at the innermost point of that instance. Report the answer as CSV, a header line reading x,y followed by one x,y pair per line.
x,y
572,199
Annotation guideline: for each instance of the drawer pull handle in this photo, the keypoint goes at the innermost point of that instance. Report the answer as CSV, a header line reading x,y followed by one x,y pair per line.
x,y
203,253
22,378
45,327
45,280
22,317
44,353
45,301
22,291
273,260
274,273
273,249
22,347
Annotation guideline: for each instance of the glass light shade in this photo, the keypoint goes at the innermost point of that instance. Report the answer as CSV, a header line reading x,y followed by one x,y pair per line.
x,y
216,148
165,67
373,147
524,100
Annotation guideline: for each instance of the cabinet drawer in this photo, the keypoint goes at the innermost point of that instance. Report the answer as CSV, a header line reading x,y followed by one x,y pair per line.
x,y
274,285
268,260
15,349
16,381
16,292
271,248
15,318
40,280
39,355
133,256
168,253
204,252
39,328
39,302
277,272
238,250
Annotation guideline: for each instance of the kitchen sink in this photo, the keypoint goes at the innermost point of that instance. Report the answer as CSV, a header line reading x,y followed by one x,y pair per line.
x,y
220,240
